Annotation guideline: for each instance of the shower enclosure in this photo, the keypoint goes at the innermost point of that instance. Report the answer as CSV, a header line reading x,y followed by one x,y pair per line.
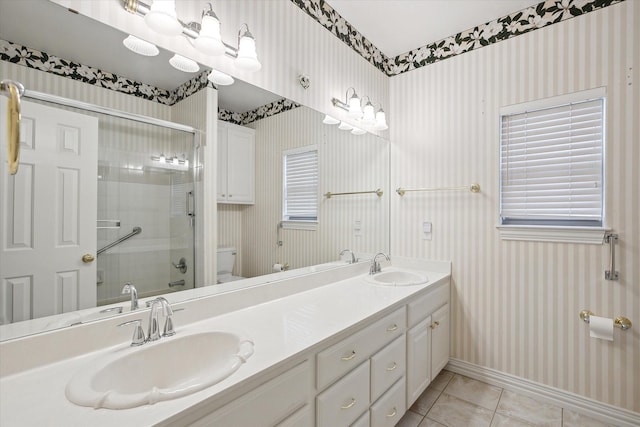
x,y
145,209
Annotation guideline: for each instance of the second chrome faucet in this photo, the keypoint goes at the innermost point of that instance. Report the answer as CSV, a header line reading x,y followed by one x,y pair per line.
x,y
153,332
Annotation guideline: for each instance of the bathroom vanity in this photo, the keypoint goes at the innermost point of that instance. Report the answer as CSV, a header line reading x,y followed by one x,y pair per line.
x,y
330,348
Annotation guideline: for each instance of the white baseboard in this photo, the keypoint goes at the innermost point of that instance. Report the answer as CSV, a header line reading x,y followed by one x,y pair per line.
x,y
592,408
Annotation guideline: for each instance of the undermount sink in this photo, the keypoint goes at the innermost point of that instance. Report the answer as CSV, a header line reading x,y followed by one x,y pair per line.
x,y
166,369
392,276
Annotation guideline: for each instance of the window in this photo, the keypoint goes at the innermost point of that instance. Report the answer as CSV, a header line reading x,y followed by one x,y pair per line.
x,y
552,164
300,185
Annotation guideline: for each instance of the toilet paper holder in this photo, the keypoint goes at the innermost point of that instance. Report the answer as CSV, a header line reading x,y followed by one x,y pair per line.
x,y
619,322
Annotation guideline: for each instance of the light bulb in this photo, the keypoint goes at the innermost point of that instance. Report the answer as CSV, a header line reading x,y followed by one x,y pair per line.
x,y
345,126
140,46
220,78
209,40
354,106
247,57
162,18
381,121
175,160
369,114
162,159
328,120
186,65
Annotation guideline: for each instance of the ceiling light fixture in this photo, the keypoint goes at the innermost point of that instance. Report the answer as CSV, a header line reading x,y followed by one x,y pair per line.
x,y
368,115
140,46
161,16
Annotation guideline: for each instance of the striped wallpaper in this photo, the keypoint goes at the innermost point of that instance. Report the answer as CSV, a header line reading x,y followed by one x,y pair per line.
x,y
515,305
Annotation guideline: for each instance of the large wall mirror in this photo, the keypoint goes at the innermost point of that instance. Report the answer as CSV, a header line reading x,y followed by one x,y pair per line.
x,y
144,179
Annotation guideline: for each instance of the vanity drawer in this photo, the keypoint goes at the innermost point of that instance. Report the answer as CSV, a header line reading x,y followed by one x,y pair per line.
x,y
269,403
388,410
426,304
387,366
340,358
342,403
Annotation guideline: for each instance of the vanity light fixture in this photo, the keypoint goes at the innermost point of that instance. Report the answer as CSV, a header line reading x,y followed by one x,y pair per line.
x,y
219,78
173,162
161,16
140,46
358,131
368,115
186,65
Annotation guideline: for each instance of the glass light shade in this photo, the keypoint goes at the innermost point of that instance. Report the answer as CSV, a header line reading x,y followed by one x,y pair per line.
x,y
381,121
328,120
369,114
345,126
162,158
220,78
186,65
162,18
140,47
247,57
209,40
354,106
358,131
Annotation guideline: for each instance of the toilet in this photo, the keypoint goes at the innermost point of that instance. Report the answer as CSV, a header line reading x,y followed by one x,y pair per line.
x,y
226,257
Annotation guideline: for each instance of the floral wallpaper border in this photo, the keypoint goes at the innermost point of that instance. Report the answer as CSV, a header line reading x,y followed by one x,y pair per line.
x,y
267,110
541,15
41,61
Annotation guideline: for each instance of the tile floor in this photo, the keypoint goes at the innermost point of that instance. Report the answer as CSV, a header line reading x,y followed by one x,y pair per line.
x,y
457,401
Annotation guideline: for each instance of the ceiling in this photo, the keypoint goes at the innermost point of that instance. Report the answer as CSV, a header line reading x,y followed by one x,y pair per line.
x,y
398,26
394,26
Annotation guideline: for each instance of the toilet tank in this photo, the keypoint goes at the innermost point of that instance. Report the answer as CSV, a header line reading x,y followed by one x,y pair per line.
x,y
226,257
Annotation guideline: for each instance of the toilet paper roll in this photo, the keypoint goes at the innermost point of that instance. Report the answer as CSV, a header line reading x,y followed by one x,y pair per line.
x,y
601,327
277,267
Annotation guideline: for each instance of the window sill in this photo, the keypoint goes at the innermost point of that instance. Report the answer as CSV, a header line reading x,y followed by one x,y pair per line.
x,y
593,236
300,225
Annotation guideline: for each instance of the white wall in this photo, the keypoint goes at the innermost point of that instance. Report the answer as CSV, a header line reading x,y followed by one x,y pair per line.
x,y
515,305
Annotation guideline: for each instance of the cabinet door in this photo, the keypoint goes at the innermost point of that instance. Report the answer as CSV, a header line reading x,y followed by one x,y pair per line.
x,y
241,166
439,339
221,173
418,360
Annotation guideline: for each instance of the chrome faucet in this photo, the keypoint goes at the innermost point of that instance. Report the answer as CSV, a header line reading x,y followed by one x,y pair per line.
x,y
154,329
353,256
375,265
130,289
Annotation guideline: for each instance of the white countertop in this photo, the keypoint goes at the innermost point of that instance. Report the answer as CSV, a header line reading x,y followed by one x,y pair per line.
x,y
282,329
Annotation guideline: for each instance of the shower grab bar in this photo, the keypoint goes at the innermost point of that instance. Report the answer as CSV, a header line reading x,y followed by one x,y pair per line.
x,y
116,223
14,90
611,239
136,230
474,188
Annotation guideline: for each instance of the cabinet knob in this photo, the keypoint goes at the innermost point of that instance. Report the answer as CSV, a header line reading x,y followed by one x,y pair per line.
x,y
435,324
87,258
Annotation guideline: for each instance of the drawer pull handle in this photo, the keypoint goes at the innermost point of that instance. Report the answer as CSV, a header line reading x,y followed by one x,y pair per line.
x,y
347,358
353,402
393,367
435,324
392,328
393,414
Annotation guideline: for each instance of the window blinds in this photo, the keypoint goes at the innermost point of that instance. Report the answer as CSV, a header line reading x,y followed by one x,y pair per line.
x,y
301,184
552,165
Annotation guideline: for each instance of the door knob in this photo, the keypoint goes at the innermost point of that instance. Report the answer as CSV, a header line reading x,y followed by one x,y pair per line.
x,y
87,258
